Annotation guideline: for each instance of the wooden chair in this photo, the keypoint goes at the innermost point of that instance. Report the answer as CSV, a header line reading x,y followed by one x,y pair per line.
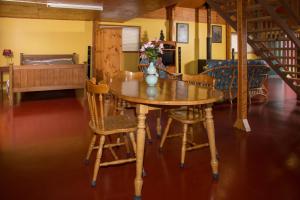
x,y
105,126
170,75
188,116
121,105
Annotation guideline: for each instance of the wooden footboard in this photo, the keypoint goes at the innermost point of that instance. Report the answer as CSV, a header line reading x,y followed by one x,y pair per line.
x,y
46,77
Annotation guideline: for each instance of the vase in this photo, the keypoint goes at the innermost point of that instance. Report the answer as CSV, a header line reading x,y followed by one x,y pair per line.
x,y
152,75
151,92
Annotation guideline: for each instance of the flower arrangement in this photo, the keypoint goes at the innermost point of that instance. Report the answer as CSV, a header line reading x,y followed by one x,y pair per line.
x,y
8,54
151,50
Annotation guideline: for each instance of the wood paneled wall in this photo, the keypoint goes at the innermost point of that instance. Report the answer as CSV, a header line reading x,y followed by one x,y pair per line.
x,y
39,11
186,14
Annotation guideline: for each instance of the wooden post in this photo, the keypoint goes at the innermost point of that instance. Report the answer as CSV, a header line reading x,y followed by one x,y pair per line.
x,y
228,42
298,62
298,70
170,11
208,38
196,47
11,92
179,59
242,96
95,27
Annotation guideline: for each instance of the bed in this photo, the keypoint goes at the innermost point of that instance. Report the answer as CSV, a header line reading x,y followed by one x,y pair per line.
x,y
46,72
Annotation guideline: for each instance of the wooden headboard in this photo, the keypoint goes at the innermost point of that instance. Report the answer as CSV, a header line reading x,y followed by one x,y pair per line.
x,y
33,59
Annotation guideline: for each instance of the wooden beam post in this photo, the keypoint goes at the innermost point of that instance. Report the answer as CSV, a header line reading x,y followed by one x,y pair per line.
x,y
95,27
242,96
196,47
10,89
208,38
228,42
170,11
298,61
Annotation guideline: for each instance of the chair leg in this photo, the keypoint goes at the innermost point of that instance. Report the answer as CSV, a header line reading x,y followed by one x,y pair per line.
x,y
126,144
92,144
165,134
132,139
203,115
191,131
158,124
148,132
98,159
183,147
249,96
204,124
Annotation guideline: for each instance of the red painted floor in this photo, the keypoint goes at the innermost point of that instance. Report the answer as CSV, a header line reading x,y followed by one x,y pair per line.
x,y
43,144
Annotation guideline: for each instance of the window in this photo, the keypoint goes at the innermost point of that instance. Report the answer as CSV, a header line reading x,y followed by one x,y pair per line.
x,y
131,38
234,44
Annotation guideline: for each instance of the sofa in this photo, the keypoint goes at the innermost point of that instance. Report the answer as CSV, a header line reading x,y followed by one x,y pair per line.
x,y
225,73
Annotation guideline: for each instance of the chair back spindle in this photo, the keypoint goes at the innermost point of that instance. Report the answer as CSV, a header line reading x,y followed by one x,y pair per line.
x,y
95,95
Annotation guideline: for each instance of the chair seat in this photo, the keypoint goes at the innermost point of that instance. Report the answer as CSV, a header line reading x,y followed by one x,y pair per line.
x,y
186,116
117,124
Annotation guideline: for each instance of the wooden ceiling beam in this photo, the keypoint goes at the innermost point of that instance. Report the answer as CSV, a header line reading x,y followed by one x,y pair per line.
x,y
39,11
114,11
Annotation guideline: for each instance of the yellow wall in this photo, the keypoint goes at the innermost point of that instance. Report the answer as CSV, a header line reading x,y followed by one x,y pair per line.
x,y
36,36
190,51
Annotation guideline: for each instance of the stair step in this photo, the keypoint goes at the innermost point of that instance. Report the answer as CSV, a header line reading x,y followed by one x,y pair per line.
x,y
294,79
296,29
250,8
281,49
254,7
265,30
287,65
287,72
284,57
276,49
264,18
270,40
272,2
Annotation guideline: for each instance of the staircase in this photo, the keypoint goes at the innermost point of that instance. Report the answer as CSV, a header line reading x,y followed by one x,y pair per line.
x,y
273,33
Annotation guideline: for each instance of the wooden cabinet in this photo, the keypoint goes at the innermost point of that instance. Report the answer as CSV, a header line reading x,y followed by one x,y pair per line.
x,y
169,55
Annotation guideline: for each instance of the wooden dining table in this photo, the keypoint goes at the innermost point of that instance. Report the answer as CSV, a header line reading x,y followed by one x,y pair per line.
x,y
164,93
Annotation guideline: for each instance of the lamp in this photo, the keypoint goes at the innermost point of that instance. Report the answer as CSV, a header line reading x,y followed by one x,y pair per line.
x,y
76,6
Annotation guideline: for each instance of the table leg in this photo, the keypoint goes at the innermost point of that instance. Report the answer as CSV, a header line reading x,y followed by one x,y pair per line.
x,y
141,111
211,139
